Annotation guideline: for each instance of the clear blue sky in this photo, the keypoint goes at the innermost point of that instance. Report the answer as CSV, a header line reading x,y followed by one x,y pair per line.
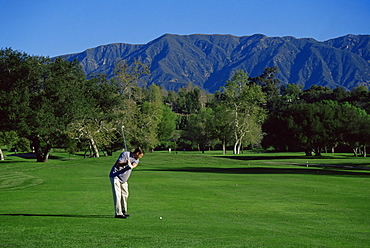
x,y
56,27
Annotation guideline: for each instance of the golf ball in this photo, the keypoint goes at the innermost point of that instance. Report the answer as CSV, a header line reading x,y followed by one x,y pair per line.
x,y
160,218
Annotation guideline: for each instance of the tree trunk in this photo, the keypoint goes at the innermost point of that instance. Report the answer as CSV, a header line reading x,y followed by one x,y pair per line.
x,y
94,147
308,152
355,150
1,154
46,154
235,147
239,146
364,151
201,148
41,155
223,147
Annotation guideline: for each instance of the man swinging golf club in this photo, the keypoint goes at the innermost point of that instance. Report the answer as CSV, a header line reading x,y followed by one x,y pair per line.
x,y
119,175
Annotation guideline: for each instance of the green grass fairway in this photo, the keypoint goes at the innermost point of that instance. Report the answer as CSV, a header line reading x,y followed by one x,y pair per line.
x,y
205,200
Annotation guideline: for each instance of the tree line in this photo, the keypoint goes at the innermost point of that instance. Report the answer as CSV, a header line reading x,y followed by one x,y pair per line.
x,y
48,103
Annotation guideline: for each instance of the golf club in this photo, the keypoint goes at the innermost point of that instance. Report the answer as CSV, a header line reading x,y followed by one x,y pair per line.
x,y
123,136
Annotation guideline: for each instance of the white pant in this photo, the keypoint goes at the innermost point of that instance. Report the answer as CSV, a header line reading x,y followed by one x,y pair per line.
x,y
120,195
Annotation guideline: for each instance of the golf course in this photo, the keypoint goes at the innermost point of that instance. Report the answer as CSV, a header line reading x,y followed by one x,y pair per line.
x,y
188,199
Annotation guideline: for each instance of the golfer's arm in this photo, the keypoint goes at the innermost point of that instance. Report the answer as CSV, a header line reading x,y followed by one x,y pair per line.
x,y
121,164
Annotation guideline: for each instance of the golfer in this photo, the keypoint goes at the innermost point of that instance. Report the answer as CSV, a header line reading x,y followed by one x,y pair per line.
x,y
119,175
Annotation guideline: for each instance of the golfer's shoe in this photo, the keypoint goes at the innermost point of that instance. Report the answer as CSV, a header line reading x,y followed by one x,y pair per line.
x,y
120,216
126,215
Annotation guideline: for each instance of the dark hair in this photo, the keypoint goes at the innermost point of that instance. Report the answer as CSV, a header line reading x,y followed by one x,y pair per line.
x,y
138,150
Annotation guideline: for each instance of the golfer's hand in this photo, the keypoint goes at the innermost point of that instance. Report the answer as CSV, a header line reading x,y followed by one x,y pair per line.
x,y
134,165
129,163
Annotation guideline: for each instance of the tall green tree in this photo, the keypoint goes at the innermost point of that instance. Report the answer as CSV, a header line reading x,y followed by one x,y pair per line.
x,y
146,119
316,94
11,140
291,92
269,83
313,125
316,126
199,128
97,126
127,75
354,127
167,127
188,101
40,97
222,127
244,100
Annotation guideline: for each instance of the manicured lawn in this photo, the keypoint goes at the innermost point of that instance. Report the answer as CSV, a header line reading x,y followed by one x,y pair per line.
x,y
205,200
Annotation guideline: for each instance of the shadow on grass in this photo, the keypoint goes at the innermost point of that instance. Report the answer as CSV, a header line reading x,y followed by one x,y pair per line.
x,y
264,170
346,164
61,215
248,157
274,157
30,155
11,161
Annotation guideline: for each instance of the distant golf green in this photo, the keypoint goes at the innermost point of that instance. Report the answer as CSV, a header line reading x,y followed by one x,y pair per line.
x,y
188,199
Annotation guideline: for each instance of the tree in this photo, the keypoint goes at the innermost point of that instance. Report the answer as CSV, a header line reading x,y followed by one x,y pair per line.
x,y
40,97
339,95
277,133
315,126
354,127
188,101
291,92
269,83
316,94
167,127
222,128
171,100
97,126
146,119
199,128
11,140
244,100
127,76
361,96
364,138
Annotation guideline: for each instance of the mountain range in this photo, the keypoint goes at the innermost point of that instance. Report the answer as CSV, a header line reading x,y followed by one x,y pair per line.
x,y
208,61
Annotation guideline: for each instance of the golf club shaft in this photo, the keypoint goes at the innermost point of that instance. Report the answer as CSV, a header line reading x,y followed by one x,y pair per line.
x,y
124,139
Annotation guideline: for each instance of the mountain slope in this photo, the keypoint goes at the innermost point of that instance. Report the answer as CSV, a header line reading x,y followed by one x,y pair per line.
x,y
208,61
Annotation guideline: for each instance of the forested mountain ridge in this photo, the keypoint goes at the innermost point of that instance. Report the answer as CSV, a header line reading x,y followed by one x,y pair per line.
x,y
208,61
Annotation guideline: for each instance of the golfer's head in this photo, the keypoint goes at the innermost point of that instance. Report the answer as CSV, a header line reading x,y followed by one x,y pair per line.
x,y
138,153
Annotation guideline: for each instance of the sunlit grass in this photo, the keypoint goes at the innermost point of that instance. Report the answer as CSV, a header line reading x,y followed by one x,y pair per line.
x,y
205,200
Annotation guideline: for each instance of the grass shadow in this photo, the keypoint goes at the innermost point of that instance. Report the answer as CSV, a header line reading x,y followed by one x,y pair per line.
x,y
61,215
346,164
11,161
274,157
248,157
264,170
30,155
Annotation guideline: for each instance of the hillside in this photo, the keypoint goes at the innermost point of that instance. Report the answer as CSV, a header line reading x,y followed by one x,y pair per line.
x,y
209,60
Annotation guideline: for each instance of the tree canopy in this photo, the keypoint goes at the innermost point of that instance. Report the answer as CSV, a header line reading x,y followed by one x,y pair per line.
x,y
40,97
50,103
